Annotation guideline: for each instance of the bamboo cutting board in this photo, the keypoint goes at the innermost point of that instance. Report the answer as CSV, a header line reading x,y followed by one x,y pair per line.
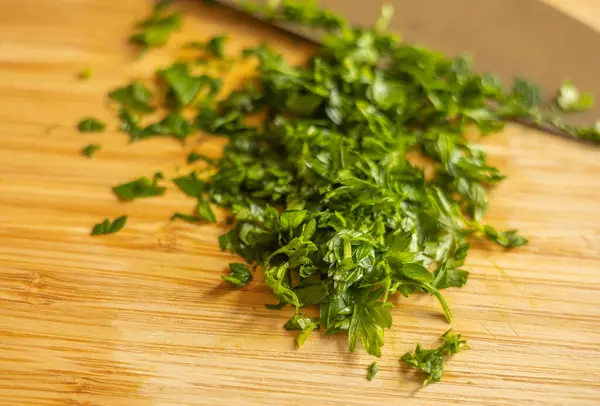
x,y
142,317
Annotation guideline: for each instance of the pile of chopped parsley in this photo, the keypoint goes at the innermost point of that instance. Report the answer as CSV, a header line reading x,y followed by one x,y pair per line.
x,y
325,202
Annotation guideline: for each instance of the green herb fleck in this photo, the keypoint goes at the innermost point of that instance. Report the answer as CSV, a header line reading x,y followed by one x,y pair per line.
x,y
239,275
156,30
194,157
372,371
191,185
91,125
90,150
140,188
108,227
134,97
432,361
205,212
186,87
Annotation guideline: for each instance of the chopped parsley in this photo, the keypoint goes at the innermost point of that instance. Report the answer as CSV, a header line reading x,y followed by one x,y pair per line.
x,y
140,188
239,275
90,150
91,125
322,194
108,227
156,30
191,185
432,361
134,97
372,371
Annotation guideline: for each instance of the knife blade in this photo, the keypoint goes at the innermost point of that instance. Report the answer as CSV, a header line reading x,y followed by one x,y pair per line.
x,y
511,38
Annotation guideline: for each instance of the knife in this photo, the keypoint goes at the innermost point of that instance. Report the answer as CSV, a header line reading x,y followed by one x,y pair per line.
x,y
511,38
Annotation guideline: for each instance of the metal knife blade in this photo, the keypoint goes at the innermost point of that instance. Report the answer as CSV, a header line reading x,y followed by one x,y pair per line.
x,y
511,38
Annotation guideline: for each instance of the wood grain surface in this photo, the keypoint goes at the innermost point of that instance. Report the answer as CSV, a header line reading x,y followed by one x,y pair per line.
x,y
142,317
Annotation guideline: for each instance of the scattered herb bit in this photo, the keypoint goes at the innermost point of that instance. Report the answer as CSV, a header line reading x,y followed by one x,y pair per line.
x,y
139,188
205,212
173,125
299,322
432,361
85,74
134,97
91,125
106,227
239,275
191,185
372,371
570,99
90,150
194,157
186,217
186,87
156,30
301,339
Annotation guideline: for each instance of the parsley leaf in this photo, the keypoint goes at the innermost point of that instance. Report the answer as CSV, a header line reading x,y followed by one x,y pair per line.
x,y
191,185
432,361
369,319
185,86
372,371
173,125
108,227
134,97
91,125
186,217
140,188
205,212
90,150
196,156
301,339
240,275
156,30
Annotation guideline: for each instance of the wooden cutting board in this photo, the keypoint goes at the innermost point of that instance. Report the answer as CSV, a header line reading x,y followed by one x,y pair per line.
x,y
142,317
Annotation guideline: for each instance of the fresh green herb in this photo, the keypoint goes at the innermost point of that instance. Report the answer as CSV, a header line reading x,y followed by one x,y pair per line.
x,y
194,157
134,97
239,275
570,99
85,74
191,185
190,218
90,150
91,125
173,125
372,371
140,188
205,212
432,361
108,227
301,339
186,87
156,30
323,195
